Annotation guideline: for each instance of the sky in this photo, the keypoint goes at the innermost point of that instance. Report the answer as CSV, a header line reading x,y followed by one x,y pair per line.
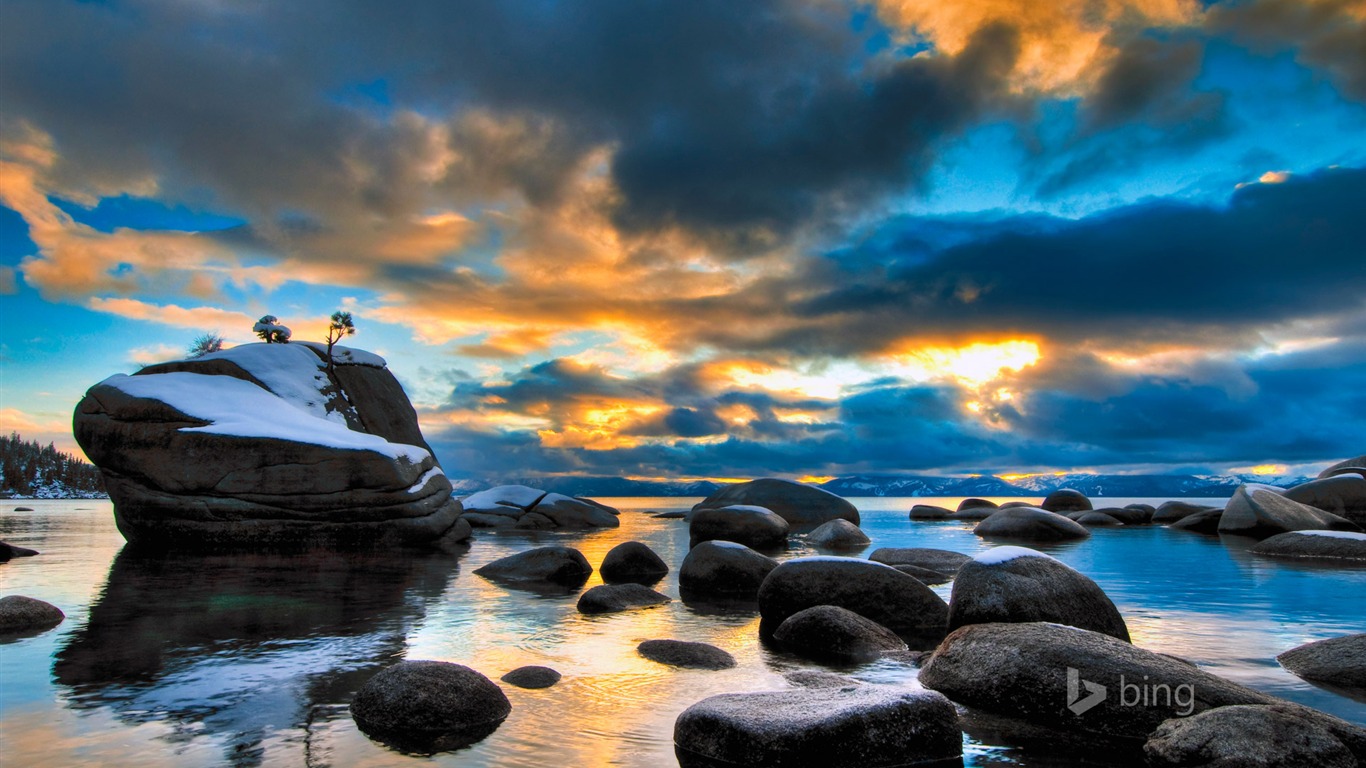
x,y
709,239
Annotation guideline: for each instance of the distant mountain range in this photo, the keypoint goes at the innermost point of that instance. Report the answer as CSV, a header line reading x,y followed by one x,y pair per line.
x,y
1127,486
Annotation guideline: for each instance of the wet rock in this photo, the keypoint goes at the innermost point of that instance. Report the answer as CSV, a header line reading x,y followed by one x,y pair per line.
x,y
723,568
851,727
681,653
819,678
10,551
1015,584
967,504
534,521
23,509
564,566
1205,521
532,677
1170,511
429,706
632,561
614,598
1324,545
1344,495
526,508
755,527
576,513
1095,519
675,514
941,560
20,614
1066,500
1260,512
930,512
831,633
838,534
1029,524
1019,505
1129,515
1247,736
797,503
924,575
1338,661
875,591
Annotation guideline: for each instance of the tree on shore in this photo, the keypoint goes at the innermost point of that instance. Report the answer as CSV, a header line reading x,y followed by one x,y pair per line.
x,y
269,330
342,325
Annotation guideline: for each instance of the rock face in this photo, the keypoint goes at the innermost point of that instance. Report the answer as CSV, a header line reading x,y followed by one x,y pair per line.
x,y
260,446
1323,545
797,503
1117,691
429,706
517,506
614,598
1338,661
25,614
1247,736
1066,500
723,569
632,561
838,534
681,653
846,727
942,561
874,591
831,633
1030,524
564,566
755,527
1204,521
1261,513
532,677
1344,495
1014,584
1356,466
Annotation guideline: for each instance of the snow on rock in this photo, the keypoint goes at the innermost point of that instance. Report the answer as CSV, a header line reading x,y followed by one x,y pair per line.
x,y
503,496
998,555
426,478
343,355
1335,534
293,371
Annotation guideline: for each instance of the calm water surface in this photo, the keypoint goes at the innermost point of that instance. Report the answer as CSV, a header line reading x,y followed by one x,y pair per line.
x,y
251,660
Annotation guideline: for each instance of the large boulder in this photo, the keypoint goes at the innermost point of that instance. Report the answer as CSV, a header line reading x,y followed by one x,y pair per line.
x,y
262,446
1321,545
797,503
429,706
532,677
1344,495
723,569
615,598
1015,584
1337,661
632,561
1355,466
1066,500
522,507
1085,686
838,534
840,727
1247,736
974,503
1030,524
686,654
943,561
1261,512
872,590
1094,519
563,566
831,633
20,614
752,526
1140,514
930,512
1170,511
1205,521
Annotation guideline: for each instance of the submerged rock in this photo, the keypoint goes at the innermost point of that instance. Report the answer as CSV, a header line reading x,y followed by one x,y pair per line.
x,y
1337,661
681,653
632,561
797,503
1015,584
262,446
20,614
1323,545
875,591
1261,512
831,633
755,527
838,534
1247,736
532,677
564,566
429,706
614,598
855,726
725,569
1029,524
1066,500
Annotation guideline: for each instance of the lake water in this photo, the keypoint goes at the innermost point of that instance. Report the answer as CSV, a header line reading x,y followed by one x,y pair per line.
x,y
251,660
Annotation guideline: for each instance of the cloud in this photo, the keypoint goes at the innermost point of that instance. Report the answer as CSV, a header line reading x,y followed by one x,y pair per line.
x,y
1326,35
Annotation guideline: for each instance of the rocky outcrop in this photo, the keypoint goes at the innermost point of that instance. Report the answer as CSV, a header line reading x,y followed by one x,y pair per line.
x,y
20,614
562,566
798,503
875,591
853,726
1355,466
520,507
723,569
615,598
1015,584
532,677
429,706
688,655
1344,495
755,527
1261,512
838,534
1320,545
831,633
632,561
1066,500
1029,524
260,446
1247,736
1337,661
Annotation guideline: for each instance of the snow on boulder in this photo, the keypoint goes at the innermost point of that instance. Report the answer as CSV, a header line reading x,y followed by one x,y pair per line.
x,y
518,506
262,446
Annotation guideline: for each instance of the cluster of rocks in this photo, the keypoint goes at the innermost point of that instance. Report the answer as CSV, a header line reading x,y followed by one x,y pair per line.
x,y
523,508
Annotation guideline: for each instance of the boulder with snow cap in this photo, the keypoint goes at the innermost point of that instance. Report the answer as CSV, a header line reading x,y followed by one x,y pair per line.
x,y
1261,511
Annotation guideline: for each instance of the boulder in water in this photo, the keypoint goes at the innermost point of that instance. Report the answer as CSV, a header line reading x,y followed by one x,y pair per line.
x,y
564,566
1260,512
875,591
752,526
429,706
689,655
831,633
723,569
614,598
1030,524
797,503
632,561
838,534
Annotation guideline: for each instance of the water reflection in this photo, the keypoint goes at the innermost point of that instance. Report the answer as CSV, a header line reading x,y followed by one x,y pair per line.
x,y
244,646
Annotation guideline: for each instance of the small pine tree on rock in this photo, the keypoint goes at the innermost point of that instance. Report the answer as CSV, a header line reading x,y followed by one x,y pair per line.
x,y
205,344
341,326
269,330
